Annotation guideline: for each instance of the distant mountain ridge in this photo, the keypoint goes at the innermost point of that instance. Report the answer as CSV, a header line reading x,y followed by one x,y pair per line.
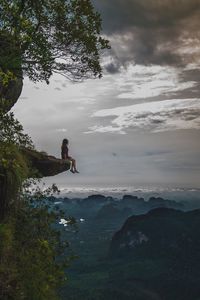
x,y
154,256
160,252
161,229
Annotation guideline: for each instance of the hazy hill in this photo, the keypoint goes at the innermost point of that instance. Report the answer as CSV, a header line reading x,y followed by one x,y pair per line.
x,y
160,252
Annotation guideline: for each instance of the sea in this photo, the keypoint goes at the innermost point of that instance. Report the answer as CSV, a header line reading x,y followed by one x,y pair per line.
x,y
178,194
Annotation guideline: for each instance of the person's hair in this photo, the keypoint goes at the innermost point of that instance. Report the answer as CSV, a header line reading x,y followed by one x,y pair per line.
x,y
65,142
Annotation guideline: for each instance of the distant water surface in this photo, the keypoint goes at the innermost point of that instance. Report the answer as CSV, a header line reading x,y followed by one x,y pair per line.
x,y
178,194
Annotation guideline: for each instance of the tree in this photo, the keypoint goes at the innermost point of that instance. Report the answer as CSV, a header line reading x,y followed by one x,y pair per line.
x,y
42,37
30,247
37,38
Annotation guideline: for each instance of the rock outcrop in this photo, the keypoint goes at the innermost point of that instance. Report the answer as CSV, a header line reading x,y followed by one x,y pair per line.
x,y
10,93
11,75
44,164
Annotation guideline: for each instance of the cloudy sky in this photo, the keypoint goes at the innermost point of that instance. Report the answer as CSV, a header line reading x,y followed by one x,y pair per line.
x,y
140,124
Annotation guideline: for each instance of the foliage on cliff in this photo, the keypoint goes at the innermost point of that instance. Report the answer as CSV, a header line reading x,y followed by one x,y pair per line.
x,y
51,36
28,250
13,166
11,131
30,243
37,39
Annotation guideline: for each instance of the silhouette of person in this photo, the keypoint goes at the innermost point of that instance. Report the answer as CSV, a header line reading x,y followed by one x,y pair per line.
x,y
64,155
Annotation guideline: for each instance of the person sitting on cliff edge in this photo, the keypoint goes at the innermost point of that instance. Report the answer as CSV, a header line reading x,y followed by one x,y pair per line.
x,y
64,155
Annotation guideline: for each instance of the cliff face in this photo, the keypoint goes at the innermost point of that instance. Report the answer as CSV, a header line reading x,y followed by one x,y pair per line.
x,y
10,93
11,75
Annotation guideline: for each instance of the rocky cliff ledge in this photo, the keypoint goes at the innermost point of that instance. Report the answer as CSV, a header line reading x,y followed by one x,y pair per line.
x,y
45,164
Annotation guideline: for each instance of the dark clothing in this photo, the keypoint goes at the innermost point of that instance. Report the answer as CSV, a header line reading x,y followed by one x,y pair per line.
x,y
64,152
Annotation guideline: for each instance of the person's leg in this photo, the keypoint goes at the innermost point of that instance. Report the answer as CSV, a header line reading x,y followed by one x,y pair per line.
x,y
71,164
74,165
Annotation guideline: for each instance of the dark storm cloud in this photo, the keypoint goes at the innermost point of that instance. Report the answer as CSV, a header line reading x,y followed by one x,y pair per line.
x,y
151,30
122,15
190,75
112,68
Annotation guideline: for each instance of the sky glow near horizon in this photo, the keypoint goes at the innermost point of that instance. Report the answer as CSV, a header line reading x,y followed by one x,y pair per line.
x,y
140,124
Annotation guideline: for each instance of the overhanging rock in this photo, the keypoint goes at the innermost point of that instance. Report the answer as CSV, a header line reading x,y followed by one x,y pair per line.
x,y
45,164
